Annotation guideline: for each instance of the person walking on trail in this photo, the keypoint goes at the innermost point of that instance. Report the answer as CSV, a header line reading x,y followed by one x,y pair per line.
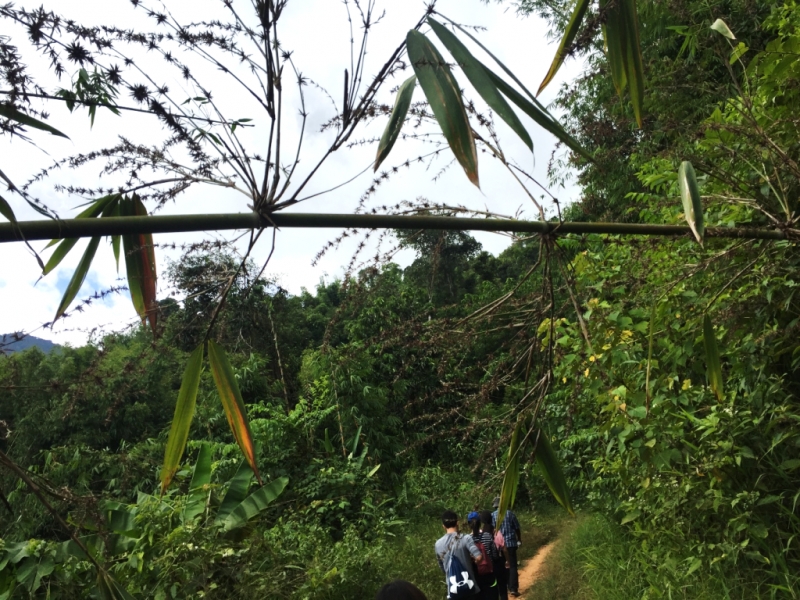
x,y
485,570
456,554
513,538
500,560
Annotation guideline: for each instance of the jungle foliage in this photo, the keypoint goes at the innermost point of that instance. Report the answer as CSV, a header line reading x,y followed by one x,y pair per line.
x,y
654,382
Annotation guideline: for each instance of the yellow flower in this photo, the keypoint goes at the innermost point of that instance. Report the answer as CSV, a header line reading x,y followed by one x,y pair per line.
x,y
623,406
616,397
563,380
687,383
592,358
586,373
678,315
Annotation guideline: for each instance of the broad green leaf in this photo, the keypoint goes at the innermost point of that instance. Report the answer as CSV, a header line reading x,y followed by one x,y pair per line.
x,y
692,203
401,105
553,473
722,28
9,112
713,362
78,277
444,98
232,402
539,115
182,419
570,34
237,491
95,209
508,493
254,504
201,478
480,79
140,262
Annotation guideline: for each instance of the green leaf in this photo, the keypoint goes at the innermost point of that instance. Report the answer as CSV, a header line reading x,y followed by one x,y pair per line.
x,y
95,209
713,363
7,211
444,98
201,478
254,504
570,34
692,203
553,473
237,491
140,262
624,51
481,81
539,115
232,402
631,516
722,28
508,492
78,277
9,112
182,419
401,105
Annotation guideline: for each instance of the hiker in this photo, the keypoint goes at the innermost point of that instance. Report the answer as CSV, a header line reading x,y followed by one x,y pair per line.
x,y
499,560
485,570
400,590
456,553
513,538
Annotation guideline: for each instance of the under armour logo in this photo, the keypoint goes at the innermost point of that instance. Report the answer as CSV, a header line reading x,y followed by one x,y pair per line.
x,y
454,585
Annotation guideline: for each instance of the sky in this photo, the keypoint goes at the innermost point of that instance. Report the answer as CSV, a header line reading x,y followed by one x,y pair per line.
x,y
317,33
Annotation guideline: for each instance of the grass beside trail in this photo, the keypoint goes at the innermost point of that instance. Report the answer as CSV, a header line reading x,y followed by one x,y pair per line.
x,y
596,560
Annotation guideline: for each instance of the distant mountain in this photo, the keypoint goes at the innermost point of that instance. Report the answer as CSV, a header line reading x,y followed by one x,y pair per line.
x,y
8,344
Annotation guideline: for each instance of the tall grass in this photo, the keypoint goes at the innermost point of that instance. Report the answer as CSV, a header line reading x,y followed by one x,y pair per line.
x,y
596,560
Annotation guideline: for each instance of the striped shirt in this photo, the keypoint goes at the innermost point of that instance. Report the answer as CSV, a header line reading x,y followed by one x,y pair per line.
x,y
487,540
509,528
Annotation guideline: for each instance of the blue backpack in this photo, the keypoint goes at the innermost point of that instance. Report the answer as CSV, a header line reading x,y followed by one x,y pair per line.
x,y
459,584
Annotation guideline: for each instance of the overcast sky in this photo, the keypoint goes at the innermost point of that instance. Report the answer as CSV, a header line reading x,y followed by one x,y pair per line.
x,y
317,32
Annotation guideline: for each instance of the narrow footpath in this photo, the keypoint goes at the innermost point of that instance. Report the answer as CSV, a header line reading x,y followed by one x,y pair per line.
x,y
530,573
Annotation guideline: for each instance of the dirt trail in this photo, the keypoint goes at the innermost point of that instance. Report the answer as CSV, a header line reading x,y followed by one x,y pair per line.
x,y
529,574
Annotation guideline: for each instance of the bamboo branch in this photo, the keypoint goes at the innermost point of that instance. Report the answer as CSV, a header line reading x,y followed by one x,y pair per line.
x,y
79,228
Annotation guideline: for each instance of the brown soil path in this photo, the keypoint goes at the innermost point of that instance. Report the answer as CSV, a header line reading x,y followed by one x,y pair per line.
x,y
530,572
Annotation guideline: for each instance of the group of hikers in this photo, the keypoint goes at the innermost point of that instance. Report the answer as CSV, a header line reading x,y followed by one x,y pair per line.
x,y
480,564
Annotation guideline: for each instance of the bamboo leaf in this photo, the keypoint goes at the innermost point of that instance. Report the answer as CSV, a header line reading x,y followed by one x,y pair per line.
x,y
624,51
444,98
182,419
254,504
95,209
140,262
508,493
237,491
78,277
232,402
7,211
721,27
692,203
570,34
481,81
713,362
401,105
201,478
539,114
553,473
9,112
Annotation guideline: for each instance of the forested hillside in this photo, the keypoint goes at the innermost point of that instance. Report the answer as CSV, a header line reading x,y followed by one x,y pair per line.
x,y
663,371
